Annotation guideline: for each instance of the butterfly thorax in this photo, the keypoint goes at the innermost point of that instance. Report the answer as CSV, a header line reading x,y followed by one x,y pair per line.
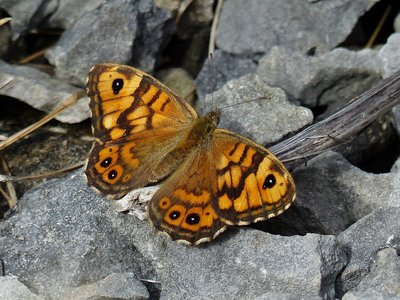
x,y
201,130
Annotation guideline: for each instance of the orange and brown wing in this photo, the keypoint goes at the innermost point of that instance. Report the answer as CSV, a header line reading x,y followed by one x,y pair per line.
x,y
229,181
252,184
125,101
182,206
136,122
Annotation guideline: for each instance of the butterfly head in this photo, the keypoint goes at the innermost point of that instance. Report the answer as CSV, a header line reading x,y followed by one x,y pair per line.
x,y
213,118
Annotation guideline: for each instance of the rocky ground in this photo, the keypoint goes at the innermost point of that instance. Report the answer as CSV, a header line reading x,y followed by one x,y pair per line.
x,y
305,59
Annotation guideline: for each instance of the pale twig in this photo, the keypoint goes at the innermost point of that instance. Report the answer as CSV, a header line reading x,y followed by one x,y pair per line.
x,y
12,199
51,174
7,197
214,26
182,8
4,21
33,56
378,28
6,81
150,281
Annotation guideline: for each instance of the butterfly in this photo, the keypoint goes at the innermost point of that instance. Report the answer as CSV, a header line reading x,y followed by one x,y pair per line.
x,y
144,133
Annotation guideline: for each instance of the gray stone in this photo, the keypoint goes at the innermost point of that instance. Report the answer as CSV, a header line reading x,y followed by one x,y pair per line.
x,y
341,194
394,197
249,264
378,230
180,81
128,31
5,79
62,235
63,14
360,190
390,63
320,204
193,57
252,27
42,92
383,279
285,296
222,68
25,15
367,147
396,166
198,14
252,108
12,289
367,296
193,27
5,36
389,56
335,76
396,118
114,286
396,23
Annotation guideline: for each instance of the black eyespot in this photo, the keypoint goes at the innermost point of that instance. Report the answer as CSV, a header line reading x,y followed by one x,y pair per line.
x,y
117,85
112,174
174,215
106,162
193,219
269,181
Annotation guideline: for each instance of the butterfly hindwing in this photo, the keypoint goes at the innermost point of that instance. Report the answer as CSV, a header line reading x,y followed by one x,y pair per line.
x,y
125,101
136,122
182,206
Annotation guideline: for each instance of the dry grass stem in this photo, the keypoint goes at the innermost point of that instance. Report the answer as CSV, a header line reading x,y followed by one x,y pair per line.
x,y
60,108
52,174
181,10
33,56
341,126
214,26
378,28
11,197
4,21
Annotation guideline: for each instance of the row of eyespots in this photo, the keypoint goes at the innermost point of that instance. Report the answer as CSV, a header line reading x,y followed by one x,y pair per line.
x,y
107,166
190,219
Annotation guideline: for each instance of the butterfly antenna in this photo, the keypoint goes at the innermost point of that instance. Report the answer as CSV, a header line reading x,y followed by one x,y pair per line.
x,y
212,79
244,102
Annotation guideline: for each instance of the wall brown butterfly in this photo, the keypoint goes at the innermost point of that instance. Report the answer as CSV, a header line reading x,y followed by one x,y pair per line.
x,y
144,132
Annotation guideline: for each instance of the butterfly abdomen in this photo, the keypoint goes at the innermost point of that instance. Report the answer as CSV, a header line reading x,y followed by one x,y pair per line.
x,y
198,135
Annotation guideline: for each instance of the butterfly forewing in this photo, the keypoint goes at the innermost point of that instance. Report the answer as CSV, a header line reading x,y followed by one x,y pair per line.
x,y
136,122
125,100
